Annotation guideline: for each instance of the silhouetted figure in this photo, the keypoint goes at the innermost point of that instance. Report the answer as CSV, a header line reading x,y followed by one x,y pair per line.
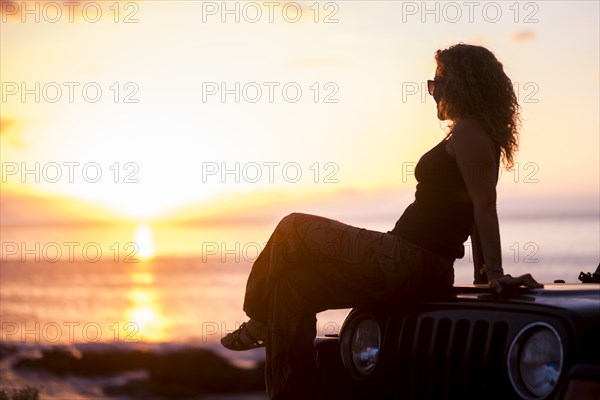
x,y
312,263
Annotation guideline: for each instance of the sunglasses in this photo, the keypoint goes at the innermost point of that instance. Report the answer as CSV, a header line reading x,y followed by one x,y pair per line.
x,y
431,85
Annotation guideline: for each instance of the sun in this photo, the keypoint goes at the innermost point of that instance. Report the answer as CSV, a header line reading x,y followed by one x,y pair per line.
x,y
144,241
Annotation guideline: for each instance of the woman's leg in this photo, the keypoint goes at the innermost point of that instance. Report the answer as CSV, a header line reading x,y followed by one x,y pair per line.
x,y
306,244
275,257
290,368
311,264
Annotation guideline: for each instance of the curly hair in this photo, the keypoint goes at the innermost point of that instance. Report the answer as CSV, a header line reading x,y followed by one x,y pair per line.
x,y
475,86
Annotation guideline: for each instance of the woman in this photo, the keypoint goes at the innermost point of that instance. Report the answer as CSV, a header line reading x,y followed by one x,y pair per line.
x,y
311,263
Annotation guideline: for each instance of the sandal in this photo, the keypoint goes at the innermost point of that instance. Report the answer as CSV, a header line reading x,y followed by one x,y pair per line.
x,y
241,339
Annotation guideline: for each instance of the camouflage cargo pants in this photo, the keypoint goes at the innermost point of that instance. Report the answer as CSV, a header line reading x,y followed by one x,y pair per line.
x,y
311,264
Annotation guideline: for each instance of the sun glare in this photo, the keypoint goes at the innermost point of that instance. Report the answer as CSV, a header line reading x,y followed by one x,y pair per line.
x,y
144,241
146,316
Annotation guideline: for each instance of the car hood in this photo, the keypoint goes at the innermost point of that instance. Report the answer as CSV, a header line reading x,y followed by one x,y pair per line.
x,y
581,298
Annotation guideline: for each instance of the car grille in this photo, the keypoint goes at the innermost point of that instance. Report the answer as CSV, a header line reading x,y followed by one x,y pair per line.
x,y
452,357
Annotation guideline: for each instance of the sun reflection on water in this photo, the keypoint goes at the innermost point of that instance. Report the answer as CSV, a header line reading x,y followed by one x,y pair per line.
x,y
145,313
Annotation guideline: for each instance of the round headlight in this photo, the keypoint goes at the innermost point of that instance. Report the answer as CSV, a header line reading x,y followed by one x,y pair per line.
x,y
361,342
535,361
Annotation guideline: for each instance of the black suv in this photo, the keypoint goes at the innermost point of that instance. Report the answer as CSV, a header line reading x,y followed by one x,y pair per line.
x,y
527,344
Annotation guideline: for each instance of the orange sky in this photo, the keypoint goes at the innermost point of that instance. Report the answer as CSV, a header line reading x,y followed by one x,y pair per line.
x,y
161,141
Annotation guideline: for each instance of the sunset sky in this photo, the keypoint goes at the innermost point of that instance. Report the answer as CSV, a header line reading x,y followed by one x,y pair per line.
x,y
121,107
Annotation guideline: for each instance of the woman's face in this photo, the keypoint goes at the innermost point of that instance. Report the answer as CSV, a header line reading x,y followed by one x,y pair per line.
x,y
437,97
439,92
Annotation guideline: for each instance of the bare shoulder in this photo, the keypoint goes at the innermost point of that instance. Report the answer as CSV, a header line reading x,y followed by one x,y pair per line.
x,y
469,135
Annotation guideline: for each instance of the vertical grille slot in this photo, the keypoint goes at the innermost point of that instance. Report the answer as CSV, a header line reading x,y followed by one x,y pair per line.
x,y
440,347
494,362
455,356
420,358
403,365
474,366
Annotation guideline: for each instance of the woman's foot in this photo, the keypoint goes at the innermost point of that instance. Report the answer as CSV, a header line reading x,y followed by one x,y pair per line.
x,y
250,335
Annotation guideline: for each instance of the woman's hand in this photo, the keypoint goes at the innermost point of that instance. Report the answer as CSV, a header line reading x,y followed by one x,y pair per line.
x,y
498,284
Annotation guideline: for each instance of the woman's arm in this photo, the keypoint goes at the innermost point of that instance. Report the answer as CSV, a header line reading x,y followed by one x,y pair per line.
x,y
475,156
474,152
479,275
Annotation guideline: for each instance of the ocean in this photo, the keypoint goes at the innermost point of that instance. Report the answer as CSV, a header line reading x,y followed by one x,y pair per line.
x,y
54,295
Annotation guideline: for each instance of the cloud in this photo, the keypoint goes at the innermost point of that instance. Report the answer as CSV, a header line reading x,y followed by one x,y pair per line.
x,y
523,36
9,9
24,208
5,125
11,133
314,63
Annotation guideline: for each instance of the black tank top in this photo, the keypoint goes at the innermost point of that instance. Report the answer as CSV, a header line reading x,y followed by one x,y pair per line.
x,y
441,217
